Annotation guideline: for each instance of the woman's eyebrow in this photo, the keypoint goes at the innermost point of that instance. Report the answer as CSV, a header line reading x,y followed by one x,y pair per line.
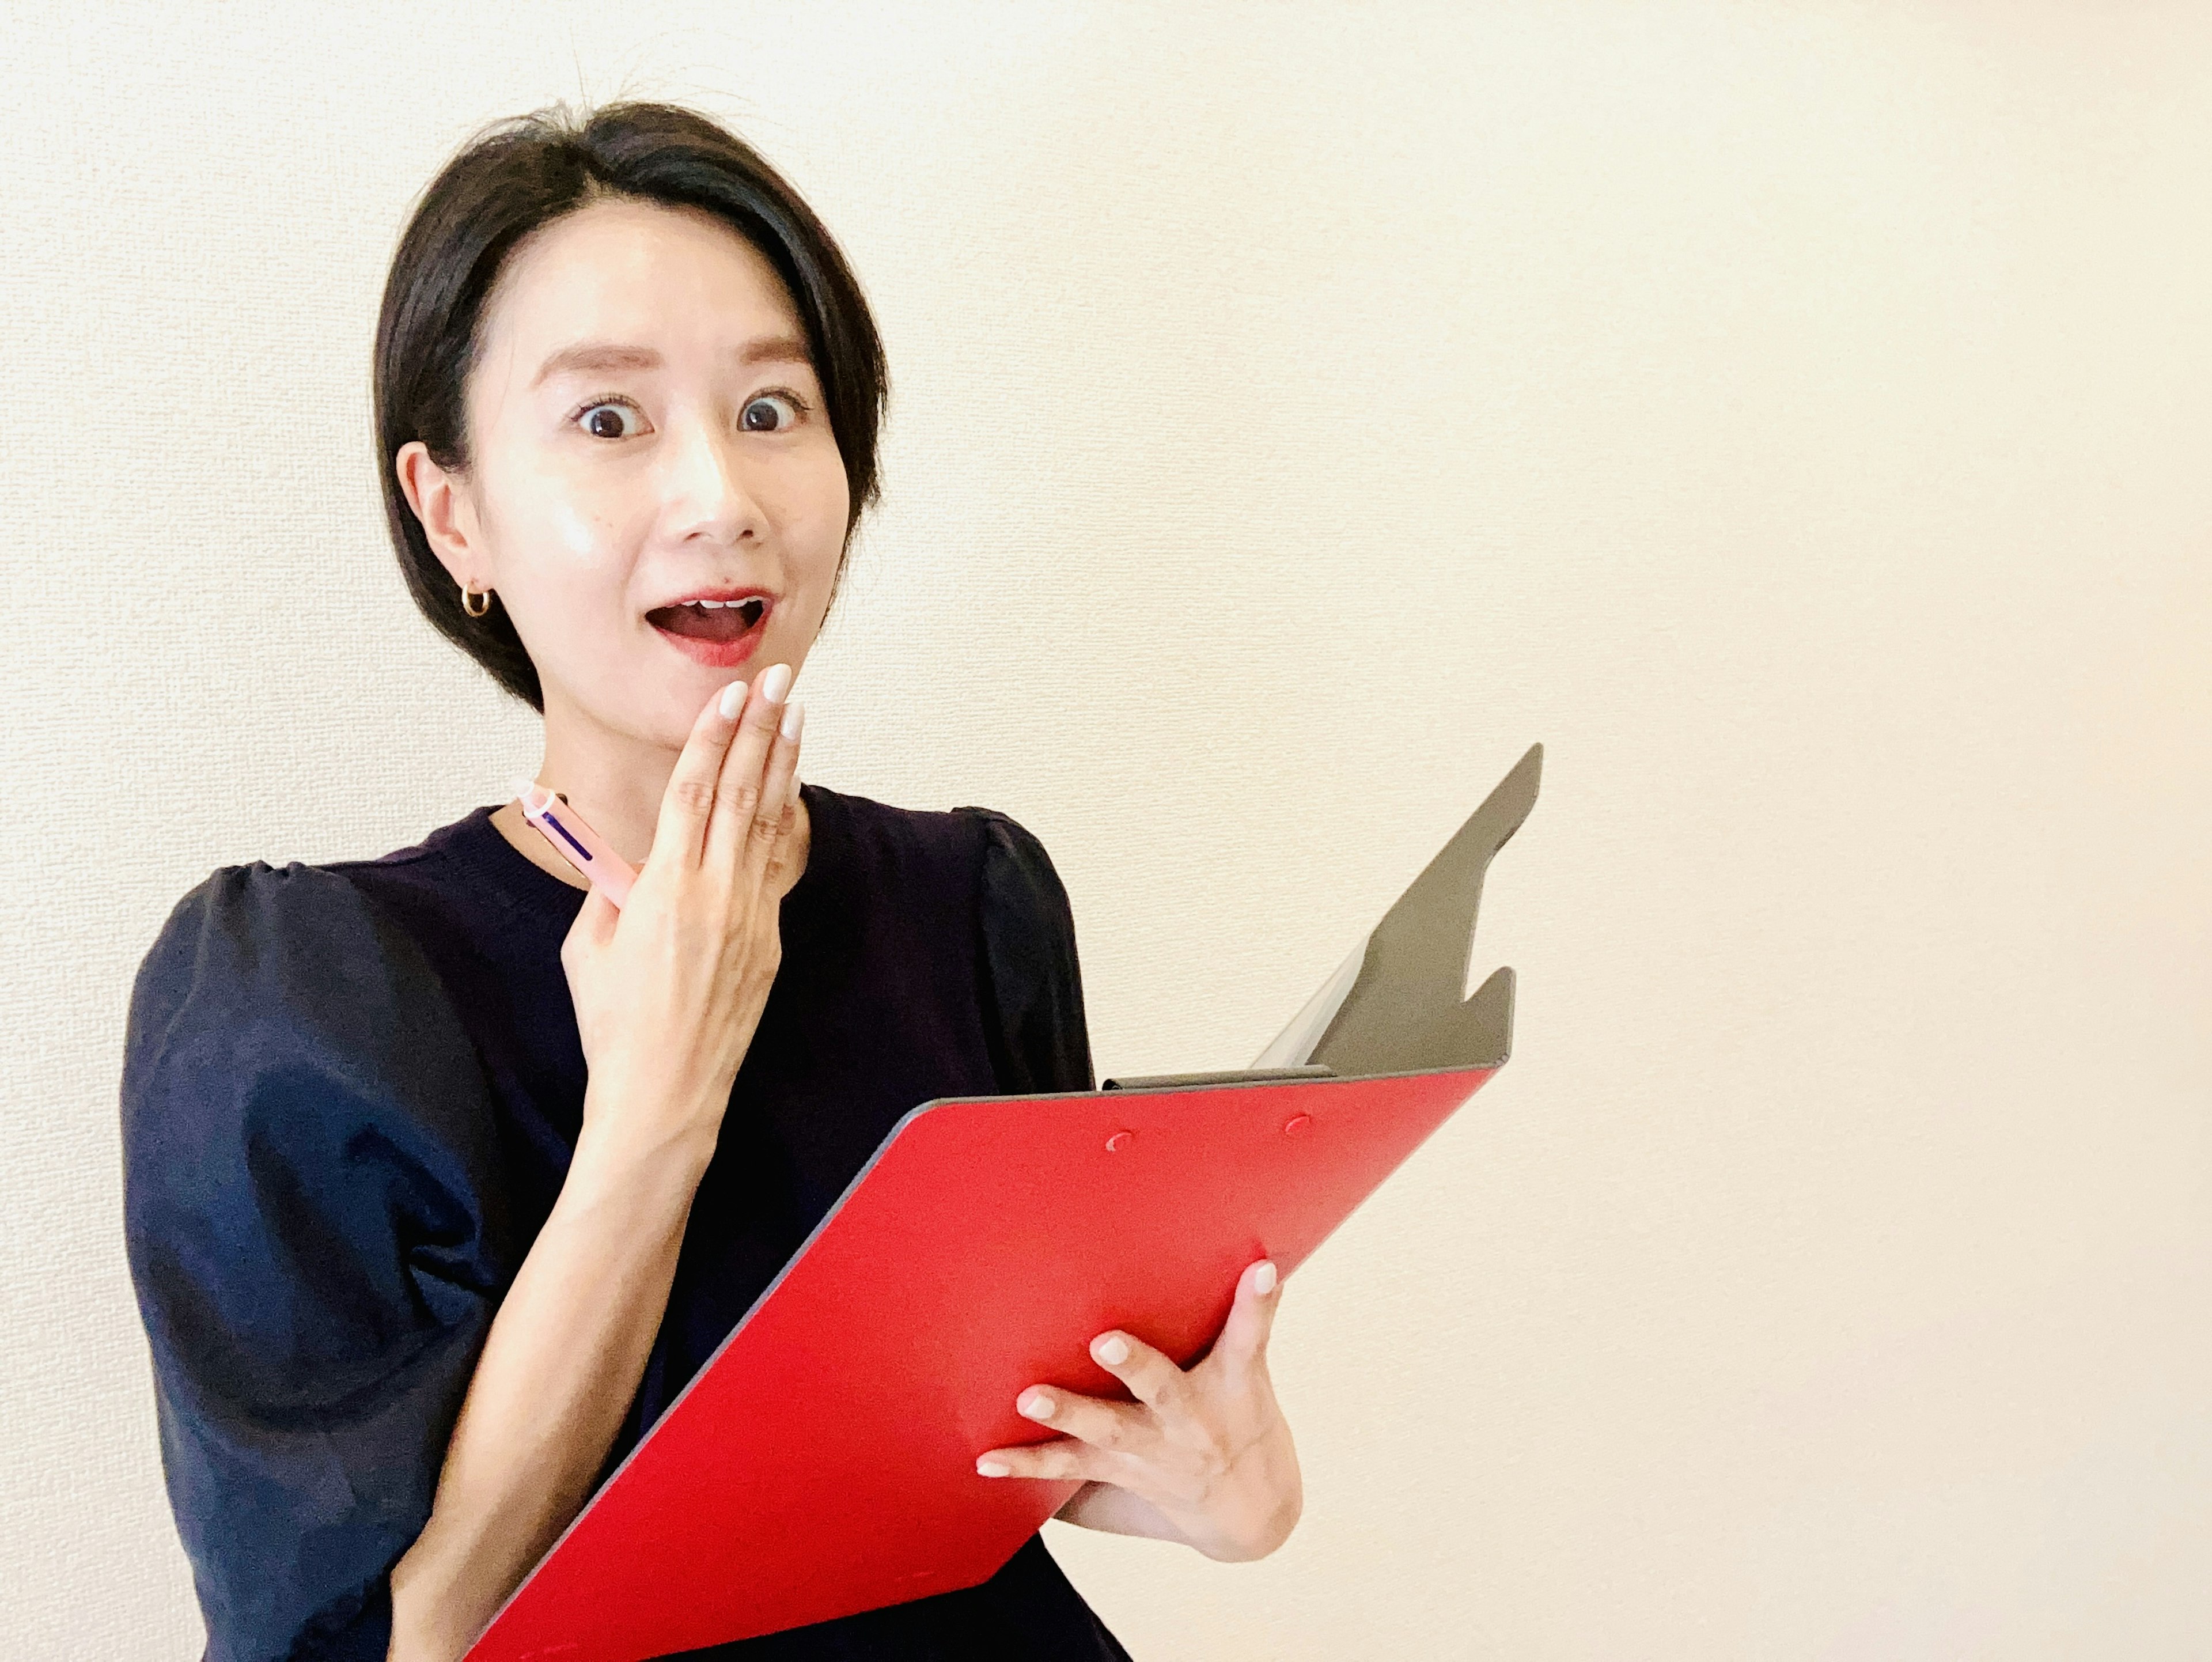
x,y
774,349
603,357
596,358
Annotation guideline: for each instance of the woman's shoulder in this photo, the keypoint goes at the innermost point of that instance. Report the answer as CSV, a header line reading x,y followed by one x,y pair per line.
x,y
298,939
985,862
257,895
270,939
987,844
283,1000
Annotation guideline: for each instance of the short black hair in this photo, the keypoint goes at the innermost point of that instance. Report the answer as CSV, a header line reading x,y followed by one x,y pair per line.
x,y
517,175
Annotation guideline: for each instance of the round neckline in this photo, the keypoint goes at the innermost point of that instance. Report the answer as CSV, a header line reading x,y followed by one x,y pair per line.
x,y
477,844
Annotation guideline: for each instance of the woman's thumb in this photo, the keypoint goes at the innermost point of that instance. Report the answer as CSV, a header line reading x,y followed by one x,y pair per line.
x,y
596,922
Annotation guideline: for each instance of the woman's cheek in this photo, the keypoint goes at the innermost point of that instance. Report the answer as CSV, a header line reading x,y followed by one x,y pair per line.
x,y
586,533
830,501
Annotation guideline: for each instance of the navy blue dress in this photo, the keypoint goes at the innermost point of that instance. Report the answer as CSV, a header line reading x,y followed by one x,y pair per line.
x,y
350,1096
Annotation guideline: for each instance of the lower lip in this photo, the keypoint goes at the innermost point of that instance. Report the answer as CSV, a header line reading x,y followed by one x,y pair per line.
x,y
715,655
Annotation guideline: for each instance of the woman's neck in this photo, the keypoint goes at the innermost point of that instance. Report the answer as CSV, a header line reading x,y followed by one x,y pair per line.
x,y
616,785
508,820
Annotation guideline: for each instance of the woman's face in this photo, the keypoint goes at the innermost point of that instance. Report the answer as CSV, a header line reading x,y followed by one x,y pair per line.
x,y
647,438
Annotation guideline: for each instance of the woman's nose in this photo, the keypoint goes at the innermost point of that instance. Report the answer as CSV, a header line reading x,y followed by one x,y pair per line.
x,y
706,490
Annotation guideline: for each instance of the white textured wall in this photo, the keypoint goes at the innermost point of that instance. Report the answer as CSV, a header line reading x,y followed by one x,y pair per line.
x,y
1795,416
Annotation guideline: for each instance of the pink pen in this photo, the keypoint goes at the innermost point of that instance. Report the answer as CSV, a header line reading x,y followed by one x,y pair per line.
x,y
576,842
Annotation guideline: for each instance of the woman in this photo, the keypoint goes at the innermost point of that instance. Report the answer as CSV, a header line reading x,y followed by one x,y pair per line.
x,y
444,1175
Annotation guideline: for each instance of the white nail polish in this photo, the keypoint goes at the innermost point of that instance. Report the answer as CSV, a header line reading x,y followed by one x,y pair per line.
x,y
794,718
1263,1280
1038,1406
993,1468
734,700
1113,1350
776,683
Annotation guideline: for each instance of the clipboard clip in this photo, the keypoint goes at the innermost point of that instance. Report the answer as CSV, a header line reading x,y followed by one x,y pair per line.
x,y
1233,1077
1394,1006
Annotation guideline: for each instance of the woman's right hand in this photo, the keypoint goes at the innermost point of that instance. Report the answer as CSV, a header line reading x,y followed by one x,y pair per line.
x,y
669,989
670,986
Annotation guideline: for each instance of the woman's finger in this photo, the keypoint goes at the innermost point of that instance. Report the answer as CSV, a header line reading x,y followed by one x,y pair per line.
x,y
1063,1458
687,806
777,817
787,838
1243,1342
740,793
1117,1428
1151,1375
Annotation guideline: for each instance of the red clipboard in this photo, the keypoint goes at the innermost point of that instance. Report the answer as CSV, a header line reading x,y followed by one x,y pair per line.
x,y
822,1462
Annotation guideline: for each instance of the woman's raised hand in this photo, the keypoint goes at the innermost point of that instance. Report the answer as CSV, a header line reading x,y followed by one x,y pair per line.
x,y
669,987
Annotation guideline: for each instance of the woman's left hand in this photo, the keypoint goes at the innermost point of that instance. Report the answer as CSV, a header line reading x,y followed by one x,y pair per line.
x,y
1203,1456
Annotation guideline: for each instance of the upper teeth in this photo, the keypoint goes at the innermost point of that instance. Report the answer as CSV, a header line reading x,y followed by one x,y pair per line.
x,y
713,605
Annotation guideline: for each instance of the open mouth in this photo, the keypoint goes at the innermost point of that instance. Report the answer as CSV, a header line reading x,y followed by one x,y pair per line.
x,y
718,632
709,620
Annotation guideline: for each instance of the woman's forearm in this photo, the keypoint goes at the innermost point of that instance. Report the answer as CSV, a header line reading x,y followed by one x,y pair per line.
x,y
557,1376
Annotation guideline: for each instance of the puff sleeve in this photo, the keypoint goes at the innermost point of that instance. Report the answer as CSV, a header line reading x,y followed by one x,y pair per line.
x,y
311,1190
1033,982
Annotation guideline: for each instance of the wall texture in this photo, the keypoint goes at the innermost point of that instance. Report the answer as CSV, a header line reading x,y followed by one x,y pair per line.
x,y
1796,416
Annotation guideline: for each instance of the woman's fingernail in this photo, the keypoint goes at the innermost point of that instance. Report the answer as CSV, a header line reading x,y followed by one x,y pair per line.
x,y
776,683
1038,1406
734,700
994,1468
1113,1349
794,717
1263,1280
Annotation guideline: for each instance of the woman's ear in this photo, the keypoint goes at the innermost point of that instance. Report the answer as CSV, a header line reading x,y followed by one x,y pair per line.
x,y
448,517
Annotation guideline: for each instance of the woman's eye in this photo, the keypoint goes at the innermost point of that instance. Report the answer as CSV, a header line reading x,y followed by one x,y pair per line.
x,y
769,412
610,421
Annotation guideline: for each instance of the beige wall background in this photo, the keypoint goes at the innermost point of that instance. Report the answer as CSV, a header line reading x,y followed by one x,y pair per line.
x,y
1794,415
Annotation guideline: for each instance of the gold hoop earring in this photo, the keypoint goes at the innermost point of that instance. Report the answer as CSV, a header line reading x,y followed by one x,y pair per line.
x,y
468,593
